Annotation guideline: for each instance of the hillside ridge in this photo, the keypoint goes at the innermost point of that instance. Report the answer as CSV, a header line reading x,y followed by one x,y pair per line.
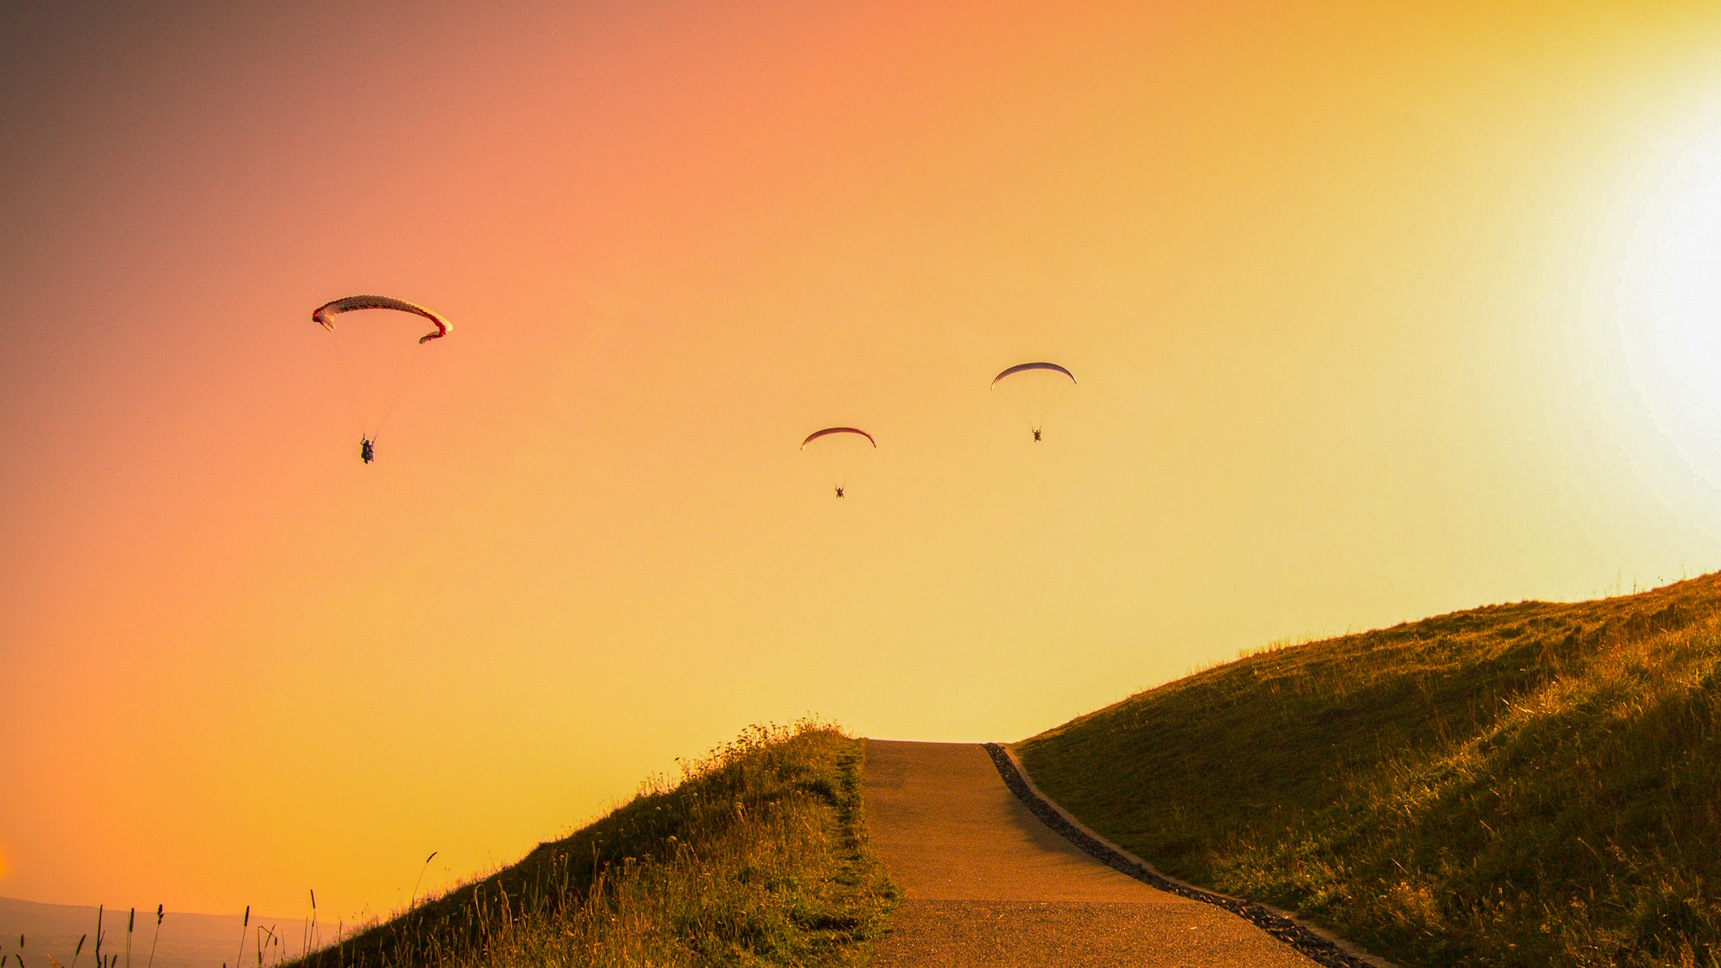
x,y
1530,783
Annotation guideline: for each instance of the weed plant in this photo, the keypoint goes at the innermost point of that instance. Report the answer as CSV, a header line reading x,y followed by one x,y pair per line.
x,y
757,856
1519,785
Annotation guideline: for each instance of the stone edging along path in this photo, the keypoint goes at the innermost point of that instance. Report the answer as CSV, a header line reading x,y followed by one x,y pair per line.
x,y
1305,940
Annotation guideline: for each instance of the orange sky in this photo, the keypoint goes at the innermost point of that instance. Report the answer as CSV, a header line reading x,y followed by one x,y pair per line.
x,y
1379,310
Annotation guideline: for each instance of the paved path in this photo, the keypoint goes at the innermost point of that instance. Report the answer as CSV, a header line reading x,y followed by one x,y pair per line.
x,y
986,884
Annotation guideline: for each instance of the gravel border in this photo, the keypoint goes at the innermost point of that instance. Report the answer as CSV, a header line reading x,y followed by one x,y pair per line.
x,y
1312,945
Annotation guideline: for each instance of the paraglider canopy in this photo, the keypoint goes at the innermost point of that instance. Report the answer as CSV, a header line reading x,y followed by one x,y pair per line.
x,y
828,431
325,314
838,448
1033,389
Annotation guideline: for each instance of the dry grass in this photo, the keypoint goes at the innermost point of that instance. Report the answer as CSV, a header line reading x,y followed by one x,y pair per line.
x,y
756,857
1519,785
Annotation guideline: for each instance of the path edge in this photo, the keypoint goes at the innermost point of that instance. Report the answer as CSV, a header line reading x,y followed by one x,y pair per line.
x,y
1311,942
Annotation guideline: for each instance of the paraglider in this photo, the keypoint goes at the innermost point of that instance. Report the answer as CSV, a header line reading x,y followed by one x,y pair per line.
x,y
375,356
1033,389
838,449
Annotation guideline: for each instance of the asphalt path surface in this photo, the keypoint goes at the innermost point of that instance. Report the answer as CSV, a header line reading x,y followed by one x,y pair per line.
x,y
985,883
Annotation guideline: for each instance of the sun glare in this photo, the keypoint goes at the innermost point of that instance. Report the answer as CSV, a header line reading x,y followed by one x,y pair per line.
x,y
1669,313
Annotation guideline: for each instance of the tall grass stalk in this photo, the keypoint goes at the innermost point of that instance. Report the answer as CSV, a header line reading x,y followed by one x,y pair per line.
x,y
244,929
309,939
420,882
159,914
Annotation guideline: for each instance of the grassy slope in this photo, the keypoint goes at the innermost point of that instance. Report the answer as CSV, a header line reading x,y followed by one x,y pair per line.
x,y
758,857
1532,784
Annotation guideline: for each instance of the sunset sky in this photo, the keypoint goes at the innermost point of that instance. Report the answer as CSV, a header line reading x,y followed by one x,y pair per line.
x,y
1379,310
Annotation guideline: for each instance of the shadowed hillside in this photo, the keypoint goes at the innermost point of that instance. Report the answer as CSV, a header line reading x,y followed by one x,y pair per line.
x,y
1532,784
757,856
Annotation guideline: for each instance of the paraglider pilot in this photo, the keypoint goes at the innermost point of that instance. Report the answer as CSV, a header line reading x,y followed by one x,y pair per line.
x,y
839,492
366,449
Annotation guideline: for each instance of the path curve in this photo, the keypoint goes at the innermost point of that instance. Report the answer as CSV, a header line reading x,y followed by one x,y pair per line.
x,y
986,883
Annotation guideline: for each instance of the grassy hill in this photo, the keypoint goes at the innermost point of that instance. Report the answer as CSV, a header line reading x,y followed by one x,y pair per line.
x,y
758,856
1518,785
